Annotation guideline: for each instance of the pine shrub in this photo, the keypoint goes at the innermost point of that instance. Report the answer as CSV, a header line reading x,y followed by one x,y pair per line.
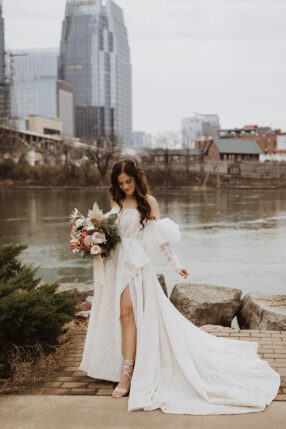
x,y
30,313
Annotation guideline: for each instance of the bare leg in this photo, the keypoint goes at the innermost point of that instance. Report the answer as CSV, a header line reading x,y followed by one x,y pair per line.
x,y
129,335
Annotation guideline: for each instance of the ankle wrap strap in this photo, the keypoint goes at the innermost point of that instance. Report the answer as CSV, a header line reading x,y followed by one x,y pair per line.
x,y
127,367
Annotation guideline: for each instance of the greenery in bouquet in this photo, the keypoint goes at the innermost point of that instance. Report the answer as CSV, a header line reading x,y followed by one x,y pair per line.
x,y
95,234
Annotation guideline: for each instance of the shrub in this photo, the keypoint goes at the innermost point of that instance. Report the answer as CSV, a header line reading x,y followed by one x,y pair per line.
x,y
29,313
6,168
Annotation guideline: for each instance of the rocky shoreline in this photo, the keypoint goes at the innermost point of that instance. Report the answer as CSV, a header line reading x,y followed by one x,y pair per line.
x,y
207,306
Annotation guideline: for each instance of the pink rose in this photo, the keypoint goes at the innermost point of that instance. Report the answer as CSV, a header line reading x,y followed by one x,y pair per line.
x,y
88,240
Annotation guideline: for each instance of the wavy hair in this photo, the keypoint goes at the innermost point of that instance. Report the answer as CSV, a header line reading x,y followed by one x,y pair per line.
x,y
133,169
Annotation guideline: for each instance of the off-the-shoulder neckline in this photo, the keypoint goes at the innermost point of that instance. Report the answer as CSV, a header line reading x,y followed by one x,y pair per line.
x,y
130,208
127,208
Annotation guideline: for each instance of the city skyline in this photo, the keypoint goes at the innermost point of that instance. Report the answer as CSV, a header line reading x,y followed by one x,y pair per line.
x,y
209,56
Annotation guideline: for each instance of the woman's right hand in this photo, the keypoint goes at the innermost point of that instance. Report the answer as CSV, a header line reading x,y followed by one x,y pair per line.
x,y
184,273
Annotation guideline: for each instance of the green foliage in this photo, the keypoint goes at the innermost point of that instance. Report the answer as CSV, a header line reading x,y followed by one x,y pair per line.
x,y
108,224
30,313
110,229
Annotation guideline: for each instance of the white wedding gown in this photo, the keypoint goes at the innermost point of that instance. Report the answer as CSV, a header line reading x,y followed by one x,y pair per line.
x,y
179,368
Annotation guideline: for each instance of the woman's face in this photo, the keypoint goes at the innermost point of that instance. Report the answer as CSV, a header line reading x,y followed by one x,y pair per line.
x,y
126,183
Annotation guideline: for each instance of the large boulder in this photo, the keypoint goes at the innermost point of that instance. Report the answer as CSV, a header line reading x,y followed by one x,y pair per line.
x,y
206,305
83,290
262,312
82,315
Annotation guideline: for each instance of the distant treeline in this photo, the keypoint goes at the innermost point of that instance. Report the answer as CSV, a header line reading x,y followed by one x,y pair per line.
x,y
44,175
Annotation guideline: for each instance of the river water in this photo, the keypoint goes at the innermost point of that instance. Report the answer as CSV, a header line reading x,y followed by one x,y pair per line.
x,y
230,237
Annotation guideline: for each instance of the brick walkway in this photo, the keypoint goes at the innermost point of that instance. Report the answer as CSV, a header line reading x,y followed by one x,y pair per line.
x,y
68,380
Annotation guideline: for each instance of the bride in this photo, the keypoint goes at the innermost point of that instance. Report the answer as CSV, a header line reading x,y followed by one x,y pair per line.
x,y
138,338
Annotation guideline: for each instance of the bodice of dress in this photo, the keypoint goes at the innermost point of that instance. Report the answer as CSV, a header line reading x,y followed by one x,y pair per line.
x,y
155,233
129,223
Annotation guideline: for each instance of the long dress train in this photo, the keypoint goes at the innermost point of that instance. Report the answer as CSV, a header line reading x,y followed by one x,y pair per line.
x,y
179,368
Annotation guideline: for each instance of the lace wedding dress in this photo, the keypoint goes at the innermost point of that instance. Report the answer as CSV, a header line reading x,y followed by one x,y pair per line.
x,y
179,368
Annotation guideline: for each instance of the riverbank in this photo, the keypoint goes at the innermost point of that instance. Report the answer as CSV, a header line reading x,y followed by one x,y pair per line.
x,y
244,175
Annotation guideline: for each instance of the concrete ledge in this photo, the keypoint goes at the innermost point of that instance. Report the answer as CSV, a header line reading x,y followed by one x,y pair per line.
x,y
52,412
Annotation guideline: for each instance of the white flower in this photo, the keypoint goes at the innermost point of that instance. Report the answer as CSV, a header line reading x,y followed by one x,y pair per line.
x,y
95,250
98,237
90,227
74,214
95,213
79,223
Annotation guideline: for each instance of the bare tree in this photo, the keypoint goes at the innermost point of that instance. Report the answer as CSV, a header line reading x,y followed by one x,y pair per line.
x,y
102,151
204,144
187,140
168,141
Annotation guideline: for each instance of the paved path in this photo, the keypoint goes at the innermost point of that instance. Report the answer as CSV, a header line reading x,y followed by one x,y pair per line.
x,y
98,412
69,380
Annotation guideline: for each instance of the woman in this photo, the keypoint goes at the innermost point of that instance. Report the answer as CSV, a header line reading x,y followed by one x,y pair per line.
x,y
137,337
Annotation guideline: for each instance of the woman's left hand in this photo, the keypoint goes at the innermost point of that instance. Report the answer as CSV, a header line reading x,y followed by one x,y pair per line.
x,y
183,272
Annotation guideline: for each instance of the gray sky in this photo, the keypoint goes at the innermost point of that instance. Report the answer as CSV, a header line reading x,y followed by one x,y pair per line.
x,y
208,56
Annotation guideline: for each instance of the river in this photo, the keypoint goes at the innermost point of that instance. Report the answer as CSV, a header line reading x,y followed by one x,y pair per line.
x,y
230,237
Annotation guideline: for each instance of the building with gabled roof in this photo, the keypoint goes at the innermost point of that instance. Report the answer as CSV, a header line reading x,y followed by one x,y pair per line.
x,y
232,149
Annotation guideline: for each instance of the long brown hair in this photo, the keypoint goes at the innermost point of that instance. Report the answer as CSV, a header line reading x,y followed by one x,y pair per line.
x,y
133,169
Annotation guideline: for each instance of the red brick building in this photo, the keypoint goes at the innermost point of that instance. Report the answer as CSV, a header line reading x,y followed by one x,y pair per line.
x,y
266,137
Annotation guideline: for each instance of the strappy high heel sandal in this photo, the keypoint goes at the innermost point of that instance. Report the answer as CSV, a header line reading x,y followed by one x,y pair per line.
x,y
119,392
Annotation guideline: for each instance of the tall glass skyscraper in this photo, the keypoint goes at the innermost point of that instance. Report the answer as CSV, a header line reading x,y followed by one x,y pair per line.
x,y
95,59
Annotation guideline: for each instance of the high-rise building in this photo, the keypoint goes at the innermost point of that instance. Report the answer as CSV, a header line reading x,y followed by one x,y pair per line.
x,y
95,59
141,140
4,87
36,90
197,126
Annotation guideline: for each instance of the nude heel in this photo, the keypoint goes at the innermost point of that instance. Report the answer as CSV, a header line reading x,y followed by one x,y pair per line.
x,y
127,368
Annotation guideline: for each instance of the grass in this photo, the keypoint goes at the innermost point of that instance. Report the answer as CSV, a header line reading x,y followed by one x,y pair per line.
x,y
31,364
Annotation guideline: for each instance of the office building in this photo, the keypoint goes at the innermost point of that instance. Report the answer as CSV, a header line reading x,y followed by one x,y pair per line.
x,y
36,90
197,126
141,140
95,59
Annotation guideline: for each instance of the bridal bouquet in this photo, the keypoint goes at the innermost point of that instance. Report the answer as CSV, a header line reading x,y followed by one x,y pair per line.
x,y
95,234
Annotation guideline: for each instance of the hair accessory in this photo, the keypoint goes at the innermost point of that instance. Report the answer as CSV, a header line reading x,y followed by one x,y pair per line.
x,y
138,168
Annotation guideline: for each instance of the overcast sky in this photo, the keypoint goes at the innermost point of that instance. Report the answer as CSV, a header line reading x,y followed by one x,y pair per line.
x,y
208,56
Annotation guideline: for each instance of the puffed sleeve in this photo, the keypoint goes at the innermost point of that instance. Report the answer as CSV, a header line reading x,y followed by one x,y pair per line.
x,y
157,232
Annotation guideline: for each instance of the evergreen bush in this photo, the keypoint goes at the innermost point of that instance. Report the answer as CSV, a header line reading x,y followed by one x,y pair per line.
x,y
30,313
